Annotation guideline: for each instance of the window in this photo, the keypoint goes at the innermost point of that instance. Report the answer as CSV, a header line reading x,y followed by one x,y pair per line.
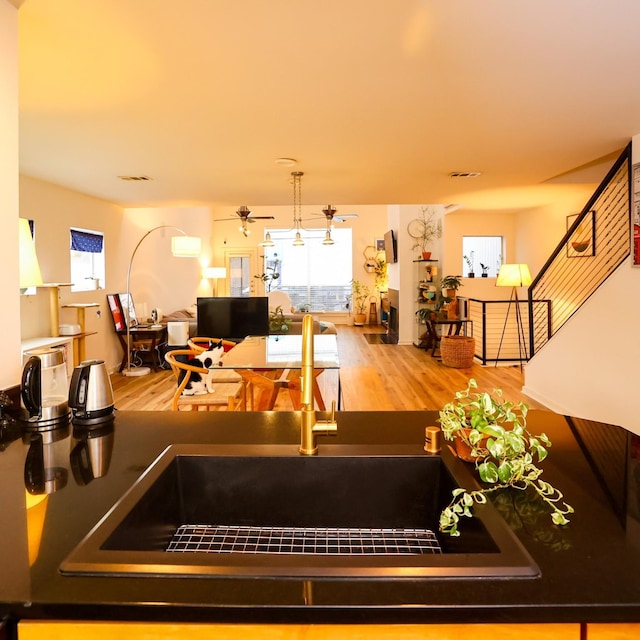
x,y
87,260
317,277
482,254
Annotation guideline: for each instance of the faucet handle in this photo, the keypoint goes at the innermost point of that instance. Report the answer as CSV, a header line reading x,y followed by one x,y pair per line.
x,y
332,418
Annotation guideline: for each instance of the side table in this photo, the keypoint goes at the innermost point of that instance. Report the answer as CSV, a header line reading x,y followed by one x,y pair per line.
x,y
143,340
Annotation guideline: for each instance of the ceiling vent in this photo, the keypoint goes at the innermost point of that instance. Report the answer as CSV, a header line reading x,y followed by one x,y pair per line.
x,y
134,178
465,174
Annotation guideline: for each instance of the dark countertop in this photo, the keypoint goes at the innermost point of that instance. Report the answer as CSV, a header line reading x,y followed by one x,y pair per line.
x,y
590,569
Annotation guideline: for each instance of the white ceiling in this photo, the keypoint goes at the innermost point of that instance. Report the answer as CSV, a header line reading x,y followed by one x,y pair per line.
x,y
378,100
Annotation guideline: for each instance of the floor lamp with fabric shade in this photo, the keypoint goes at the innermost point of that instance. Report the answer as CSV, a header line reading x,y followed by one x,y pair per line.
x,y
215,274
514,275
182,246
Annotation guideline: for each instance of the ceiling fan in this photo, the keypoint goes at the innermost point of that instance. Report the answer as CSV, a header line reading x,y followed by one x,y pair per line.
x,y
245,215
329,212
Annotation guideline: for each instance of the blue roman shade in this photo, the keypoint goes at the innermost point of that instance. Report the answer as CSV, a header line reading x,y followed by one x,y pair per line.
x,y
86,241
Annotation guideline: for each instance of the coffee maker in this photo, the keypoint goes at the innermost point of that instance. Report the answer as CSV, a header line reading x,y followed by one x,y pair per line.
x,y
44,388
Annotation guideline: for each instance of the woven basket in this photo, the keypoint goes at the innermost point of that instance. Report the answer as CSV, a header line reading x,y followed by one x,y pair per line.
x,y
457,351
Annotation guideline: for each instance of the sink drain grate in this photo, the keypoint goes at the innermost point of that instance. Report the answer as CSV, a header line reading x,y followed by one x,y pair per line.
x,y
315,541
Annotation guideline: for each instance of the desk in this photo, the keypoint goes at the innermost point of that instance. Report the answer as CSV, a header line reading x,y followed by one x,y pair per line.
x,y
143,341
271,363
455,326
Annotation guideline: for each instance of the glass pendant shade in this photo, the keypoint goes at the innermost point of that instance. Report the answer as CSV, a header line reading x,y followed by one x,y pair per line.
x,y
267,242
328,239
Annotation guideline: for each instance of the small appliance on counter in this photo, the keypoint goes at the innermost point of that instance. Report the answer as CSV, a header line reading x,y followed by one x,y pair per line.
x,y
44,388
91,452
91,394
46,467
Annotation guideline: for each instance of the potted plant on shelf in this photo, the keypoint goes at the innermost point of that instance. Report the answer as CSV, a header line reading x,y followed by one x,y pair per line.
x,y
425,229
485,270
469,260
451,284
359,294
494,436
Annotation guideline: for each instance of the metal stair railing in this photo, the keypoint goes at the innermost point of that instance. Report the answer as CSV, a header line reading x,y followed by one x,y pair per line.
x,y
568,278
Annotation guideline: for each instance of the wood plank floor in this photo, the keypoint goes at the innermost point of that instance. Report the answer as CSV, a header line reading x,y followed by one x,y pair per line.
x,y
375,377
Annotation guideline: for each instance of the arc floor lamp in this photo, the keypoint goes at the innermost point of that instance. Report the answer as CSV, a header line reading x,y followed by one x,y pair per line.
x,y
182,246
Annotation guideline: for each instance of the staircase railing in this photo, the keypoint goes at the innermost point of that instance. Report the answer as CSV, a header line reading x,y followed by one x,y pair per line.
x,y
571,276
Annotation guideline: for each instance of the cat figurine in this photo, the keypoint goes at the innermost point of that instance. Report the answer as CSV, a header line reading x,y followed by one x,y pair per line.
x,y
200,384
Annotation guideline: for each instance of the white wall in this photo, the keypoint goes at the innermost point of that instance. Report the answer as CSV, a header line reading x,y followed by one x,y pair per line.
x,y
158,279
589,368
9,283
55,210
408,272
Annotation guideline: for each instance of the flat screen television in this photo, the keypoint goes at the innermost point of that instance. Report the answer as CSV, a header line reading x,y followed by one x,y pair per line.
x,y
390,247
233,318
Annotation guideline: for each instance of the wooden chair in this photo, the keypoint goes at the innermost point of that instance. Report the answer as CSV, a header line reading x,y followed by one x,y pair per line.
x,y
231,395
199,345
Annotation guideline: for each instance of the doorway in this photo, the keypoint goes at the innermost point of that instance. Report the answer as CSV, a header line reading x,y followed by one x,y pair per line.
x,y
241,266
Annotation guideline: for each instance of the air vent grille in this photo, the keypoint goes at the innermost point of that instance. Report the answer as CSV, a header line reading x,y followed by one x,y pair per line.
x,y
465,174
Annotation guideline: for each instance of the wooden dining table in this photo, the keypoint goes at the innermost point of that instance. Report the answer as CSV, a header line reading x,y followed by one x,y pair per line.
x,y
268,364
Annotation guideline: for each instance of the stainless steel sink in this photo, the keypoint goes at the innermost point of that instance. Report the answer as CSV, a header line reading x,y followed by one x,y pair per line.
x,y
350,512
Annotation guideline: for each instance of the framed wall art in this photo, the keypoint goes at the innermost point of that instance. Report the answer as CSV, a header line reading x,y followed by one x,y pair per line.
x,y
582,243
635,217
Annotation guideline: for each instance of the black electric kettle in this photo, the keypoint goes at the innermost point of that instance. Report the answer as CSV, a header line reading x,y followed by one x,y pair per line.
x,y
90,394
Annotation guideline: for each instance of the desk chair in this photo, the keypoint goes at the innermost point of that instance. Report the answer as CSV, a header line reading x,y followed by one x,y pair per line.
x,y
227,394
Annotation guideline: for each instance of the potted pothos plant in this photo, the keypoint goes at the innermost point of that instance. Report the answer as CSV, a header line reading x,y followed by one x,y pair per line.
x,y
494,434
359,295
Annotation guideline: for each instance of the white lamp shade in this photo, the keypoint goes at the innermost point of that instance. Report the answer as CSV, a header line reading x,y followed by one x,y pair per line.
x,y
186,246
214,273
514,275
30,275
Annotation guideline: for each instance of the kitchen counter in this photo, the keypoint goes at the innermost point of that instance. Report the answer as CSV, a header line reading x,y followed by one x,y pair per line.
x,y
590,570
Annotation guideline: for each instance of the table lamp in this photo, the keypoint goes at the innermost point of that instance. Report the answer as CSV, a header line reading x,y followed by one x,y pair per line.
x,y
214,273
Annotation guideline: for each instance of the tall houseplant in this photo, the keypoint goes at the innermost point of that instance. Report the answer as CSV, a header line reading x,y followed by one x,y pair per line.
x,y
504,452
269,275
359,295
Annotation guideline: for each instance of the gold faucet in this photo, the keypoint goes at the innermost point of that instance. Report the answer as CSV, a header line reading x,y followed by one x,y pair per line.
x,y
310,427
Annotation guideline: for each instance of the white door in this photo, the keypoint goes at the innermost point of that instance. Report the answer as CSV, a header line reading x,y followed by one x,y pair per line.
x,y
242,266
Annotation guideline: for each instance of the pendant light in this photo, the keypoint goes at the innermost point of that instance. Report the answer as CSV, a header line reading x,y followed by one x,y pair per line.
x,y
267,242
297,213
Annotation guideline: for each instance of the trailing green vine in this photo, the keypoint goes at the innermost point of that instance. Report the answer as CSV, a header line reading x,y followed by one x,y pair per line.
x,y
505,453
